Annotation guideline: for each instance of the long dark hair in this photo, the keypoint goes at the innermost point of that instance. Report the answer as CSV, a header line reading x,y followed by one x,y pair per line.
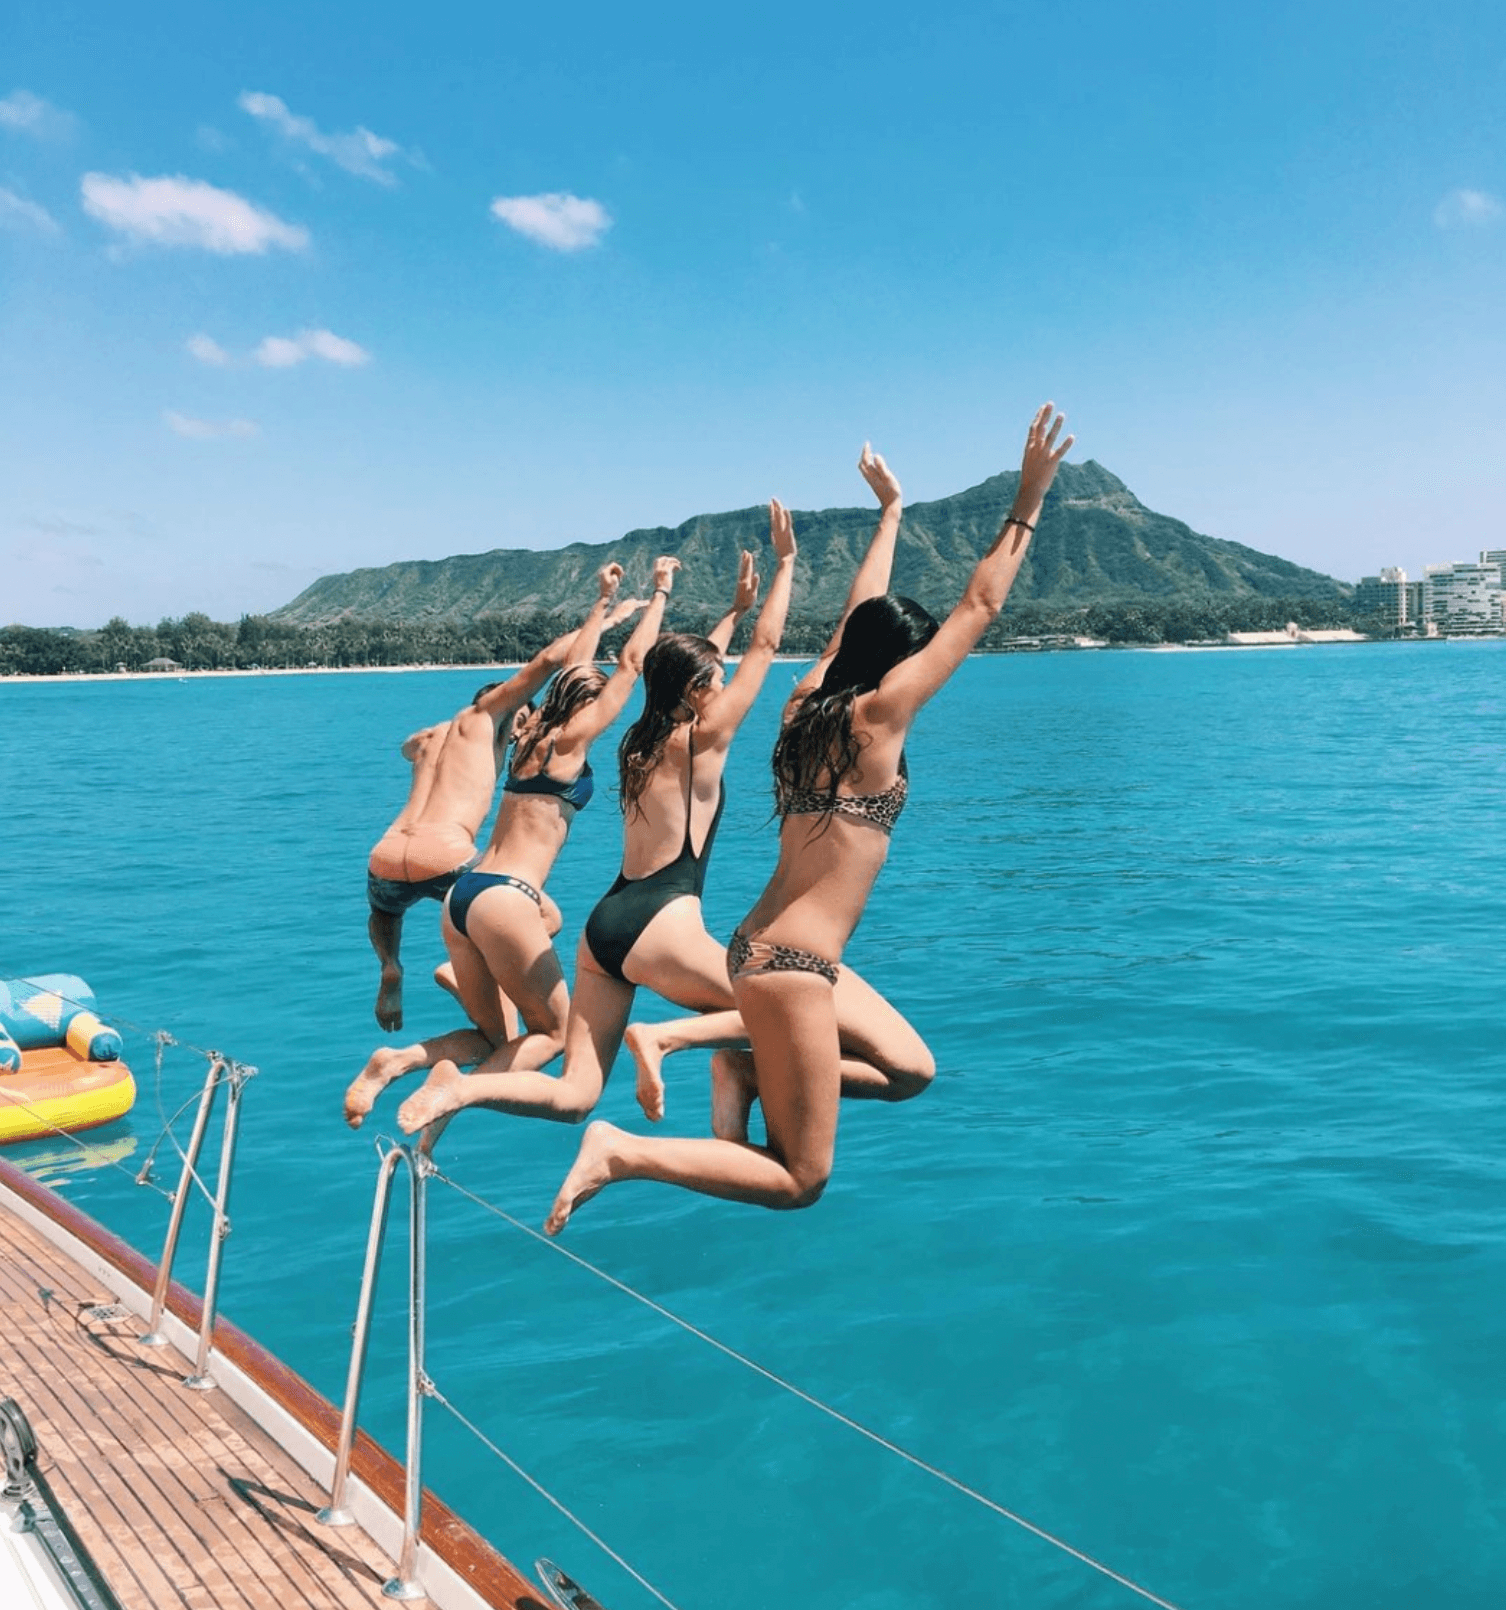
x,y
818,739
677,664
574,687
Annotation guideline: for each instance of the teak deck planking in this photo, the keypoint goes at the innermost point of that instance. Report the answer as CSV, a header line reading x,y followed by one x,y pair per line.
x,y
182,1499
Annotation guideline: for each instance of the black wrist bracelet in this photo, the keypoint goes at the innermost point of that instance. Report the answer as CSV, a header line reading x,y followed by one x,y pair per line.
x,y
664,590
1014,520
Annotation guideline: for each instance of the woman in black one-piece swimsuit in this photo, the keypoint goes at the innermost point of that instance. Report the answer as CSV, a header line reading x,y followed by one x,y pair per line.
x,y
839,781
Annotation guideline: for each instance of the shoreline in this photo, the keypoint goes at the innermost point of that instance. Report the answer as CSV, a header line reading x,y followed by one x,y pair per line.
x,y
790,659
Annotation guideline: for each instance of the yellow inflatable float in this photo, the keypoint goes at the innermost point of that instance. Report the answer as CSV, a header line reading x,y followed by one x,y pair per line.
x,y
60,1067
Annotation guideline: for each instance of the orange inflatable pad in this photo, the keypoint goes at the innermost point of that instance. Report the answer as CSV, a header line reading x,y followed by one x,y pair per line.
x,y
56,1089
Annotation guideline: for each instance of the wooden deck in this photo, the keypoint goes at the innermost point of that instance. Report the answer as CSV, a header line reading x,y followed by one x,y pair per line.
x,y
180,1496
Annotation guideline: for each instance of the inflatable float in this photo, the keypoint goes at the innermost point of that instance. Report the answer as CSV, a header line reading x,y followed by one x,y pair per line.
x,y
60,1067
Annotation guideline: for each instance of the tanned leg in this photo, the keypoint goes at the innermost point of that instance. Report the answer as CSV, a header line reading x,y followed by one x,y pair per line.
x,y
385,930
791,1023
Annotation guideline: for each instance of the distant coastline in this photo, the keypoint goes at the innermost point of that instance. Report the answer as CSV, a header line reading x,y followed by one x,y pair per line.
x,y
790,659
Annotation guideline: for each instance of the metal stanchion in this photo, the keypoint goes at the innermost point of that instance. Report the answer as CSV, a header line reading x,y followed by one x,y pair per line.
x,y
153,1336
335,1512
200,1381
405,1584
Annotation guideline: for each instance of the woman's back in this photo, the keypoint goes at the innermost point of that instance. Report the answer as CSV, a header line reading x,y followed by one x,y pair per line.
x,y
677,807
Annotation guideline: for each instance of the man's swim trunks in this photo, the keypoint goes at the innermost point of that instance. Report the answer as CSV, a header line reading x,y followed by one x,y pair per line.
x,y
393,896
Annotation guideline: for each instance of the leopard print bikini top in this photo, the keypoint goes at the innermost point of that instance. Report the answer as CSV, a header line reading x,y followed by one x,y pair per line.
x,y
882,809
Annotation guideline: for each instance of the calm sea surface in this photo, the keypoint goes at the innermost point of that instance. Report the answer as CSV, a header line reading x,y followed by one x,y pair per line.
x,y
1194,1255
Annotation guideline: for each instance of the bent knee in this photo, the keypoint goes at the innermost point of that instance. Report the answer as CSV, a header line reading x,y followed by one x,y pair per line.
x,y
912,1080
806,1186
574,1106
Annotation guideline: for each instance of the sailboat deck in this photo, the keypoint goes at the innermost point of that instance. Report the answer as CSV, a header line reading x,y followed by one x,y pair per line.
x,y
179,1496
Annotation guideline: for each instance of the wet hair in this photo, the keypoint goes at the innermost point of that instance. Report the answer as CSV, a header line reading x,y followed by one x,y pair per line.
x,y
483,690
574,688
818,740
676,665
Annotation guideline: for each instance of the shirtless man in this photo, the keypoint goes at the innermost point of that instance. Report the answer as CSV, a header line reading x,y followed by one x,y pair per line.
x,y
455,766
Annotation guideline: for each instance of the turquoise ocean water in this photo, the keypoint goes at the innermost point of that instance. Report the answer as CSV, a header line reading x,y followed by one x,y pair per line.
x,y
1194,1254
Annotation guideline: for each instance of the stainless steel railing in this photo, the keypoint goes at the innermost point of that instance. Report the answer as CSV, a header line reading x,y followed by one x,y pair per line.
x,y
405,1584
231,1076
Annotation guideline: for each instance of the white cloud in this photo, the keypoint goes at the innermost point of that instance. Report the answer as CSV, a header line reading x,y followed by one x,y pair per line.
x,y
30,114
564,222
186,212
207,350
16,212
334,348
284,352
1462,208
203,430
278,352
360,151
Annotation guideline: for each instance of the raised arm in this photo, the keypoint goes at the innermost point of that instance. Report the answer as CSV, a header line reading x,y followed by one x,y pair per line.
x,y
872,575
913,681
583,650
594,719
743,599
724,714
503,699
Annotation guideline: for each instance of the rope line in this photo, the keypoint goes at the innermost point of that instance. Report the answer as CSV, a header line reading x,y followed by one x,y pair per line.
x,y
135,1028
544,1493
95,1151
218,1065
816,1403
143,1175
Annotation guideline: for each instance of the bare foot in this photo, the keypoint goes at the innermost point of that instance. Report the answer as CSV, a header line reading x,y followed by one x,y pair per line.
x,y
439,1096
648,1055
387,1063
389,1001
734,1089
589,1173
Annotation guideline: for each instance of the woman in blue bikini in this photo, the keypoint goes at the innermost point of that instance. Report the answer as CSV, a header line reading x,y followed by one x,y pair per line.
x,y
647,929
494,923
840,784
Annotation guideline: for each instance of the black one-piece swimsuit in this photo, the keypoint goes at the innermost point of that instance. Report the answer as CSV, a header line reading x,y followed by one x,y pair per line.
x,y
631,904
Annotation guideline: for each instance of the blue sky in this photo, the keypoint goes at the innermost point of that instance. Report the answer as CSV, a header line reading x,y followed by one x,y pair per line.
x,y
287,290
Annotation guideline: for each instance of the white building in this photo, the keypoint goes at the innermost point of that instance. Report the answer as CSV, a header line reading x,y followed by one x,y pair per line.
x,y
1464,598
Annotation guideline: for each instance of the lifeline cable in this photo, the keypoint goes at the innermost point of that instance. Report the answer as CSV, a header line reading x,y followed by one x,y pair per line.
x,y
86,1147
433,1391
816,1403
163,1039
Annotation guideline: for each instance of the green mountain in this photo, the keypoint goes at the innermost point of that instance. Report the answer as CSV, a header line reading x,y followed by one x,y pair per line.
x,y
1096,543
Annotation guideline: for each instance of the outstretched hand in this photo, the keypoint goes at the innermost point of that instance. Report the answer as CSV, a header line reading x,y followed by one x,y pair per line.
x,y
624,609
1042,455
746,595
879,476
665,567
782,528
608,578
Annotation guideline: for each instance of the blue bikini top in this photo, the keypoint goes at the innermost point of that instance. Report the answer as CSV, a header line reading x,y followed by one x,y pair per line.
x,y
576,793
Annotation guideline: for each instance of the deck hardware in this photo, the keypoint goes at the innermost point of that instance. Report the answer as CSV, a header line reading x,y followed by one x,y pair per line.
x,y
566,1593
19,1445
39,1513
